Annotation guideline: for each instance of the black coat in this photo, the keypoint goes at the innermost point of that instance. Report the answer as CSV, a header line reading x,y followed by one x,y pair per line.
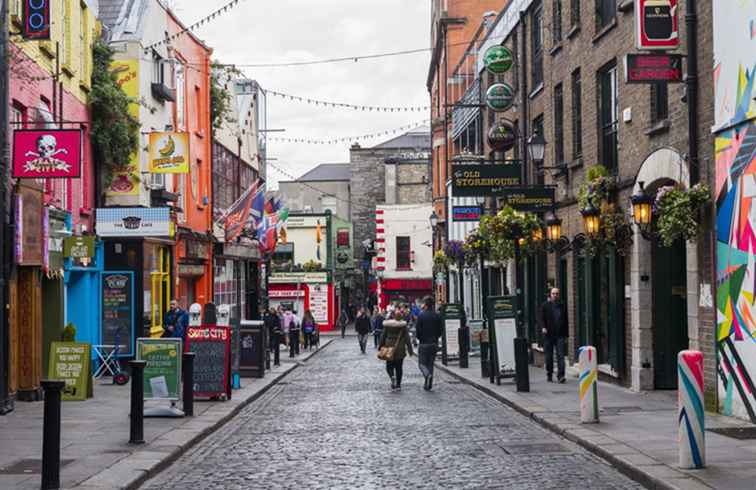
x,y
362,324
429,327
554,319
273,324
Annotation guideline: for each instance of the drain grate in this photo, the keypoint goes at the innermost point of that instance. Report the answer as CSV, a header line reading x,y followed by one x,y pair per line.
x,y
28,467
742,433
539,448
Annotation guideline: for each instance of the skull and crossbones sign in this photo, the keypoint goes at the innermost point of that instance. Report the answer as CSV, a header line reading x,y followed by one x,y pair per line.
x,y
44,157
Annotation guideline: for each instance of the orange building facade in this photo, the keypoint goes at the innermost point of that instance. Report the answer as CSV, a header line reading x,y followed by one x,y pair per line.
x,y
194,246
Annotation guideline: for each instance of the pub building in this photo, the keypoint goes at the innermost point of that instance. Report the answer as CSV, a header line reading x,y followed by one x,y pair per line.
x,y
301,291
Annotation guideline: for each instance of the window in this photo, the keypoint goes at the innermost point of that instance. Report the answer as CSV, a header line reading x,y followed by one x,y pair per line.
x,y
659,102
605,12
538,166
403,254
158,74
556,22
577,116
574,13
342,238
83,42
558,124
66,51
607,110
536,36
198,107
180,97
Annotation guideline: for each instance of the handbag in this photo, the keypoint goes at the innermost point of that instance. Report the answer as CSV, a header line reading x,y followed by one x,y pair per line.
x,y
386,353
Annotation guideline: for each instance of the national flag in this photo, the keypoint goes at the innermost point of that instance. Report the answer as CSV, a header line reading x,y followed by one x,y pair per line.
x,y
237,215
258,208
317,239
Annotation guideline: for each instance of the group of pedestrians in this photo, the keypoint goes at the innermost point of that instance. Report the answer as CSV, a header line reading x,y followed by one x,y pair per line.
x,y
285,327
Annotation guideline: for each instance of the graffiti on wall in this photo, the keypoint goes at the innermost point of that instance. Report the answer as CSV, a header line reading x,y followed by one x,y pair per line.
x,y
735,161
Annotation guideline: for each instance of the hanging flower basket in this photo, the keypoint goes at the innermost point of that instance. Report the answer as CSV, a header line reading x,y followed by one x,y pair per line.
x,y
455,251
476,246
441,261
498,233
597,187
677,212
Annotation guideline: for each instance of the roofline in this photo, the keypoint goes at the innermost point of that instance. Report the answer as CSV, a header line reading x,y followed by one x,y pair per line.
x,y
184,28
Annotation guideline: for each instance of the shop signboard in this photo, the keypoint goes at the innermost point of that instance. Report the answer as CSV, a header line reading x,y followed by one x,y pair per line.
x,y
502,136
465,213
656,24
36,19
500,97
298,277
653,68
502,317
319,303
476,180
162,373
212,349
69,362
126,180
29,232
454,317
498,59
118,311
529,199
169,152
47,153
79,247
134,222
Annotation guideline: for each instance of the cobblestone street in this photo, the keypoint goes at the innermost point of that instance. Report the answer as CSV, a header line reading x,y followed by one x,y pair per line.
x,y
334,423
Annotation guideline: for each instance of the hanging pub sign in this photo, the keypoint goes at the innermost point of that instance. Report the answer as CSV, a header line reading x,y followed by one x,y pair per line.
x,y
465,213
484,180
502,136
656,24
49,154
529,199
169,153
498,59
499,97
36,19
653,68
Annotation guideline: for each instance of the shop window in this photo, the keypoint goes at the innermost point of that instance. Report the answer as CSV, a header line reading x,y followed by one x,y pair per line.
x,y
160,285
403,253
608,109
606,10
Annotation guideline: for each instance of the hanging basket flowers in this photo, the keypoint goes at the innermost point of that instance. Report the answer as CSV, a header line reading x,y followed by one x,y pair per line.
x,y
476,246
597,187
677,212
441,261
455,251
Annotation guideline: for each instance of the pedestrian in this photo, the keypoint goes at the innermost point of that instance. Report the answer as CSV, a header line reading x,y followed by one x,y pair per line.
x,y
553,318
428,330
308,329
273,325
343,321
362,326
295,330
378,325
175,321
394,345
291,331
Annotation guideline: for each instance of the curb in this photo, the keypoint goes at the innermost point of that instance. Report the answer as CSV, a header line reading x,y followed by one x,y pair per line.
x,y
173,456
628,469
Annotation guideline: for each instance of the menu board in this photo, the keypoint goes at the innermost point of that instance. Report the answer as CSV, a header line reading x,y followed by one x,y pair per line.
x,y
118,311
162,373
212,348
69,362
505,333
452,326
319,303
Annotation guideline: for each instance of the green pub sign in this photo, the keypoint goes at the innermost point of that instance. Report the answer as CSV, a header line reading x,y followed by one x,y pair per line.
x,y
498,59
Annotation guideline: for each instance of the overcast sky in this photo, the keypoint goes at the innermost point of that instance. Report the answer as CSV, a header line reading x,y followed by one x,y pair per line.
x,y
276,31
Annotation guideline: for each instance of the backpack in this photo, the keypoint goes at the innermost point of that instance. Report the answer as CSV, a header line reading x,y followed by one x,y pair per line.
x,y
308,327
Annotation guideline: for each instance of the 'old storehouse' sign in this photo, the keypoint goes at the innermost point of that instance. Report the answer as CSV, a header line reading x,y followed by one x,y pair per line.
x,y
484,180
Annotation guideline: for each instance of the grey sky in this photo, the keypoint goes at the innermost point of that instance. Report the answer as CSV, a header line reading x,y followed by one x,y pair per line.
x,y
274,31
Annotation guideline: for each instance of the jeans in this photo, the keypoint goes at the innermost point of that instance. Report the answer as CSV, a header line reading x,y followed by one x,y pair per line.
x,y
309,340
363,341
426,357
275,346
549,343
293,343
376,338
343,330
394,369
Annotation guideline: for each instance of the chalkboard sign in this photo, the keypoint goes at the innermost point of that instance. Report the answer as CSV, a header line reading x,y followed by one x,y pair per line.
x,y
212,348
162,374
69,362
118,311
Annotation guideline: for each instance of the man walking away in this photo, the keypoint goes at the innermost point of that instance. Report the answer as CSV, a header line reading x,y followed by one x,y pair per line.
x,y
428,330
343,321
362,325
555,331
273,325
377,326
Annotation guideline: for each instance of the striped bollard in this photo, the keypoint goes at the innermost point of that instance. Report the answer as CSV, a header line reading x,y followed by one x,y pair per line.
x,y
690,410
589,412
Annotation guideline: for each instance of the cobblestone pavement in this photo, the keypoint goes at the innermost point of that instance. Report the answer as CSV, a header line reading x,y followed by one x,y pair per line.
x,y
335,423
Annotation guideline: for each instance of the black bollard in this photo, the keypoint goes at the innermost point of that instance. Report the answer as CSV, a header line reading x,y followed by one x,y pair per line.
x,y
464,342
484,367
136,427
51,434
187,378
522,374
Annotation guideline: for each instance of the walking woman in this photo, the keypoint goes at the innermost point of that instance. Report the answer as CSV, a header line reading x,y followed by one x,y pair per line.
x,y
393,347
308,329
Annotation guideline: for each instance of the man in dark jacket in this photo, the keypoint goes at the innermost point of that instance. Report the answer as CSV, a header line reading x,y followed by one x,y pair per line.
x,y
175,322
428,329
553,316
273,325
362,325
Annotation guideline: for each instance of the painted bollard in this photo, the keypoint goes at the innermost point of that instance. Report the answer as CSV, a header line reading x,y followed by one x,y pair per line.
x,y
588,385
690,410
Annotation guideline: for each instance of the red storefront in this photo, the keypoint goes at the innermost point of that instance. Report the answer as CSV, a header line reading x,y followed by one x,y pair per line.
x,y
405,290
303,291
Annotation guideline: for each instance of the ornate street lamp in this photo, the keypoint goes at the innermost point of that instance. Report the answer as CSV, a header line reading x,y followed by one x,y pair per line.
x,y
553,227
433,220
536,147
591,219
642,211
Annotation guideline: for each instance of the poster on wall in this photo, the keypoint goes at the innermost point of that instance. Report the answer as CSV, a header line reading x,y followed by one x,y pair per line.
x,y
126,177
169,153
46,154
319,303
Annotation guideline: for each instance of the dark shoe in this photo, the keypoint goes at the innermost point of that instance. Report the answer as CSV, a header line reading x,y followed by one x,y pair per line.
x,y
393,383
561,380
549,378
425,385
430,382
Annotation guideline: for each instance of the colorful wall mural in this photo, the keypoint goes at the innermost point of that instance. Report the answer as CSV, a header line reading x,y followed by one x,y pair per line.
x,y
735,159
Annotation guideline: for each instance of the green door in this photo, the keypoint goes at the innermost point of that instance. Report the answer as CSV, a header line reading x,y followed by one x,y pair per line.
x,y
670,312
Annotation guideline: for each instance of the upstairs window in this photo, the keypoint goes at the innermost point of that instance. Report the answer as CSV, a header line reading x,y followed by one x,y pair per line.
x,y
606,10
558,124
608,103
403,253
577,116
659,102
556,22
536,36
574,13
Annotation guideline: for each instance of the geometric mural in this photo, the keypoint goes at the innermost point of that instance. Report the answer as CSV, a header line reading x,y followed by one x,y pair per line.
x,y
734,76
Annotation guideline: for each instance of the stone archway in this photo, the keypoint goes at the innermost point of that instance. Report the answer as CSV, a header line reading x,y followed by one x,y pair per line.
x,y
661,167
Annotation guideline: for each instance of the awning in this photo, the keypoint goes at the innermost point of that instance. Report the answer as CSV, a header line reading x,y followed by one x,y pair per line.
x,y
462,117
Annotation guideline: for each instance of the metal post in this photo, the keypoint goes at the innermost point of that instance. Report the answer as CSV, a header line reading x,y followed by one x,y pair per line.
x,y
690,411
136,427
464,341
51,434
588,385
522,373
691,88
187,379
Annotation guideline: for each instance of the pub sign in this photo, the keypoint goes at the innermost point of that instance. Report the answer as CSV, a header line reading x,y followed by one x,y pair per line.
x,y
656,24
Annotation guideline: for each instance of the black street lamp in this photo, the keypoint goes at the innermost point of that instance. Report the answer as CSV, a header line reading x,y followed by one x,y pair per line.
x,y
591,219
642,210
536,147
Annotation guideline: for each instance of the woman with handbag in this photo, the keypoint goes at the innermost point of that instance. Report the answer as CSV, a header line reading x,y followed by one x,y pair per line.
x,y
393,347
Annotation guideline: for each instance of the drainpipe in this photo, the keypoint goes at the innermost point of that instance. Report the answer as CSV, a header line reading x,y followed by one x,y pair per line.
x,y
691,89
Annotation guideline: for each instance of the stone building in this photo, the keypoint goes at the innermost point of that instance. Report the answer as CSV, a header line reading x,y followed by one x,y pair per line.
x,y
332,181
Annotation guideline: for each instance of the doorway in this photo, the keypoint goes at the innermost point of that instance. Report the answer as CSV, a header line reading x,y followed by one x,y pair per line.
x,y
670,314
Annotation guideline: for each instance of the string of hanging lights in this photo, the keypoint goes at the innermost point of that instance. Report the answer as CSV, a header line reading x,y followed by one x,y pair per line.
x,y
357,107
333,141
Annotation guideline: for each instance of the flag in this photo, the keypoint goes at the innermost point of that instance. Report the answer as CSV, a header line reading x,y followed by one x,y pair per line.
x,y
237,215
257,212
317,239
